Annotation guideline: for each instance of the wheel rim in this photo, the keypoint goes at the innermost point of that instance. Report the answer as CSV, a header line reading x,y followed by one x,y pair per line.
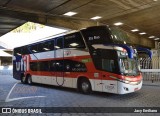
x,y
29,80
85,86
23,78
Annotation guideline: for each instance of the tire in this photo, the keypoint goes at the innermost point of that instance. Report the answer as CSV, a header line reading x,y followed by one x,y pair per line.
x,y
23,79
85,86
29,80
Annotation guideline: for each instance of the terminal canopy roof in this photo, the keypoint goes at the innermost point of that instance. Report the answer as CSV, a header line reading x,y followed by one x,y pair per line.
x,y
141,14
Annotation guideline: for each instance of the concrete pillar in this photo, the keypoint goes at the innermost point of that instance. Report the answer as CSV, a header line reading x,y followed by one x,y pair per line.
x,y
0,61
156,45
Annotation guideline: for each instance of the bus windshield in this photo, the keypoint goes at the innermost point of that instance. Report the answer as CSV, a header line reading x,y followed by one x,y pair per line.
x,y
119,36
128,67
118,62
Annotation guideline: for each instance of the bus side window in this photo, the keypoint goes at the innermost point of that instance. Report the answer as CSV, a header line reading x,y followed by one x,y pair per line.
x,y
50,45
17,52
108,65
59,43
74,41
45,46
67,65
73,66
25,50
57,65
79,67
34,48
33,66
40,47
60,66
44,66
52,65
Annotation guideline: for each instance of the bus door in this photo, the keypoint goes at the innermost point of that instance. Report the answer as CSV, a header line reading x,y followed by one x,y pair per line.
x,y
109,84
96,55
109,66
59,62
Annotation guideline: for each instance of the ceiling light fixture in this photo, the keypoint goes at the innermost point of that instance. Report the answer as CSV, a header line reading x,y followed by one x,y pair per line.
x,y
151,37
142,33
118,23
134,30
70,14
156,38
96,17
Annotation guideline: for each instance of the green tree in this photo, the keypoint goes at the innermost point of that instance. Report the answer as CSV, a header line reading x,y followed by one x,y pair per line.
x,y
28,27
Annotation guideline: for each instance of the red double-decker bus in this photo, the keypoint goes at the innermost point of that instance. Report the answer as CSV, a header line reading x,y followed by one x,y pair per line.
x,y
92,59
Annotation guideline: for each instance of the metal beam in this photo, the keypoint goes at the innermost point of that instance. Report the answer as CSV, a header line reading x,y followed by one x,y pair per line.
x,y
10,23
47,19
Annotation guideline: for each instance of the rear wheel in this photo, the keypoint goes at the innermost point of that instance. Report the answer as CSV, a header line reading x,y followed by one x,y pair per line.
x,y
85,86
29,79
23,79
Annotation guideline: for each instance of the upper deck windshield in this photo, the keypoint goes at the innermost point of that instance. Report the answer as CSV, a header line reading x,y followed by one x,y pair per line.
x,y
119,36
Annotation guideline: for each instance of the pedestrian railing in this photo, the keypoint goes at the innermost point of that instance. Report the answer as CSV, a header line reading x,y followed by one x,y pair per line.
x,y
150,69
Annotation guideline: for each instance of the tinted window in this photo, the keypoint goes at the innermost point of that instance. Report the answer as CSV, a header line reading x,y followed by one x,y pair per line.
x,y
108,65
33,48
119,36
39,66
25,50
33,66
106,60
74,66
67,66
59,66
18,51
40,47
44,66
52,65
49,45
74,40
59,44
21,51
46,46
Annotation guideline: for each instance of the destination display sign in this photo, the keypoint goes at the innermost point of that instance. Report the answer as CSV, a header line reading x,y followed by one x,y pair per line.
x,y
97,35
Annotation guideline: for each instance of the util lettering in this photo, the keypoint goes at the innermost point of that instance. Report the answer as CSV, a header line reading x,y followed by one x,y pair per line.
x,y
23,64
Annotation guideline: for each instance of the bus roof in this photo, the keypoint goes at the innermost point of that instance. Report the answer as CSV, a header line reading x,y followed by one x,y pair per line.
x,y
49,37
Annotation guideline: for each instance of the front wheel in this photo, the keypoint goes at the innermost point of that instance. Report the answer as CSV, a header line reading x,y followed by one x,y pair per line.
x,y
85,86
29,79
